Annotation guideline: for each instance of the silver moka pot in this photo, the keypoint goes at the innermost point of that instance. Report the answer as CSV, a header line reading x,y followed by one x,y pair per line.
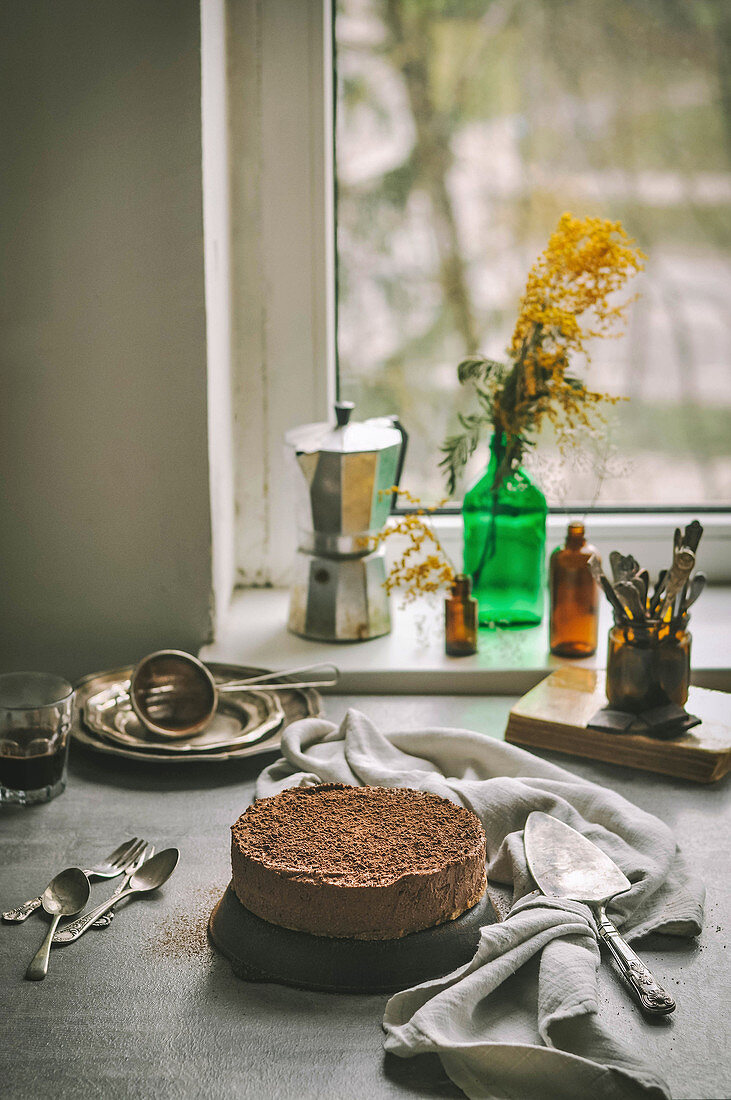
x,y
339,472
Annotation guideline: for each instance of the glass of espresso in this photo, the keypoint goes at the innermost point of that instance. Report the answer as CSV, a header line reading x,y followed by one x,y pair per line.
x,y
35,719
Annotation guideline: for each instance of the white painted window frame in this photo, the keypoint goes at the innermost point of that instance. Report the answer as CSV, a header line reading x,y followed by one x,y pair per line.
x,y
280,125
282,293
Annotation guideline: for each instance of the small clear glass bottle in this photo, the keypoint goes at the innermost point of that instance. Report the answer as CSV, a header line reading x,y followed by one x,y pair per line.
x,y
460,618
574,597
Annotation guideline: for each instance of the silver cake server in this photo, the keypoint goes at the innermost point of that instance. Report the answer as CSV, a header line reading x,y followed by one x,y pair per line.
x,y
565,864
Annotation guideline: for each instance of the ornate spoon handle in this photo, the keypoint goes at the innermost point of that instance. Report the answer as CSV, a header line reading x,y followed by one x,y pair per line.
x,y
76,928
23,911
651,996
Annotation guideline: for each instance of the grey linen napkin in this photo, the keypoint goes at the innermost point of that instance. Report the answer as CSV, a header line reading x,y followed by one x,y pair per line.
x,y
543,1039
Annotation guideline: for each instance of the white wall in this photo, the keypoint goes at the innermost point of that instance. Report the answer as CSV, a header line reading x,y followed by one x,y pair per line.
x,y
105,547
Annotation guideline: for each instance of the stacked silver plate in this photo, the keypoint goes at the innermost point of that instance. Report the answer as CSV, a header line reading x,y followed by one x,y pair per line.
x,y
245,723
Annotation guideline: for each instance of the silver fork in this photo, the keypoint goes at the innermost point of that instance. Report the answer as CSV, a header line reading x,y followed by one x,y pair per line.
x,y
106,918
113,865
76,928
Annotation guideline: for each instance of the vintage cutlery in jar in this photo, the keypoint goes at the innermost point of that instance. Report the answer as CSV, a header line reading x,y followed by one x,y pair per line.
x,y
648,650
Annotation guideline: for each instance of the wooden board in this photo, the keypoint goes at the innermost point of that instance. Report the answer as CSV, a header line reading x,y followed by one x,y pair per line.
x,y
554,715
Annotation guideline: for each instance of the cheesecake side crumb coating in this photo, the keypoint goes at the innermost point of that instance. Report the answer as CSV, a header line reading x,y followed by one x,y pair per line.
x,y
357,862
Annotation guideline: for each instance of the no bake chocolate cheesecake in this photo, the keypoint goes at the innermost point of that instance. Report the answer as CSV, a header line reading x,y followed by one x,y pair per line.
x,y
372,863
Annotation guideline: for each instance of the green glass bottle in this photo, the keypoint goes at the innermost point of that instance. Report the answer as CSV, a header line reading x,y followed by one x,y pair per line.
x,y
504,544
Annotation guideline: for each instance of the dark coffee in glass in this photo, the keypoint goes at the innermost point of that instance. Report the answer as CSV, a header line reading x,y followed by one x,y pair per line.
x,y
29,760
35,721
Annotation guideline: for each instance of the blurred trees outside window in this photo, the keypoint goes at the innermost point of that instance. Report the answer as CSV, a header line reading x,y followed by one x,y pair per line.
x,y
464,129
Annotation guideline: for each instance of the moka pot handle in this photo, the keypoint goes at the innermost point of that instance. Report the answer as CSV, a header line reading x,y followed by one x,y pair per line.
x,y
401,458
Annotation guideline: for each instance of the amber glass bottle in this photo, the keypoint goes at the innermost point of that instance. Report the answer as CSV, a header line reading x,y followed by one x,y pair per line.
x,y
460,618
574,597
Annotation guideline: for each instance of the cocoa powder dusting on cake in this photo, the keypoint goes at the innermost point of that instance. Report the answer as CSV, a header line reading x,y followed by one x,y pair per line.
x,y
374,834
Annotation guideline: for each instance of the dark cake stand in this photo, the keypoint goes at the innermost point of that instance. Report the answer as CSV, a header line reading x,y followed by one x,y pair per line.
x,y
264,952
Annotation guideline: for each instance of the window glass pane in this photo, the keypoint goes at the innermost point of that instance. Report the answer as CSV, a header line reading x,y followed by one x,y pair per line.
x,y
464,130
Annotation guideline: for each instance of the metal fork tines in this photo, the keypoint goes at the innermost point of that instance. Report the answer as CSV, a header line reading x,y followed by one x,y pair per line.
x,y
106,919
116,863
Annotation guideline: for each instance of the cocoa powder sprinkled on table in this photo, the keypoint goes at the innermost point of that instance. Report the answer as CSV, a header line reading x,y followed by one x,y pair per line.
x,y
183,934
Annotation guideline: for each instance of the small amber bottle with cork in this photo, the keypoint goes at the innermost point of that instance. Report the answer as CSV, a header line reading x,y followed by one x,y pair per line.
x,y
460,618
574,596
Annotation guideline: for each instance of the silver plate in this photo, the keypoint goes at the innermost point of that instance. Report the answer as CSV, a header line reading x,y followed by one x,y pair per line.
x,y
240,719
296,703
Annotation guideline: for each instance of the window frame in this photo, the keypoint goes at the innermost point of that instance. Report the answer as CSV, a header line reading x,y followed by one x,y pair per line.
x,y
282,235
278,58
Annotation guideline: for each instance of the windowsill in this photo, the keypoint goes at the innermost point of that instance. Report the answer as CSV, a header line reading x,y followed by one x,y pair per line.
x,y
411,658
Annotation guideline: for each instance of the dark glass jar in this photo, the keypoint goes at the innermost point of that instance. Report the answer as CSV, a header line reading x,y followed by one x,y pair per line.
x,y
648,665
574,597
460,618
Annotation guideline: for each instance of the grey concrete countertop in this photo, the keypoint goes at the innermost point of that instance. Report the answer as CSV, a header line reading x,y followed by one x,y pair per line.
x,y
146,1009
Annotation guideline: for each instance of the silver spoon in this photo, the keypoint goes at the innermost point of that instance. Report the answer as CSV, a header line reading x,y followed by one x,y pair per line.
x,y
174,694
620,614
630,597
639,586
695,587
151,874
623,567
678,574
657,591
643,578
64,896
692,535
